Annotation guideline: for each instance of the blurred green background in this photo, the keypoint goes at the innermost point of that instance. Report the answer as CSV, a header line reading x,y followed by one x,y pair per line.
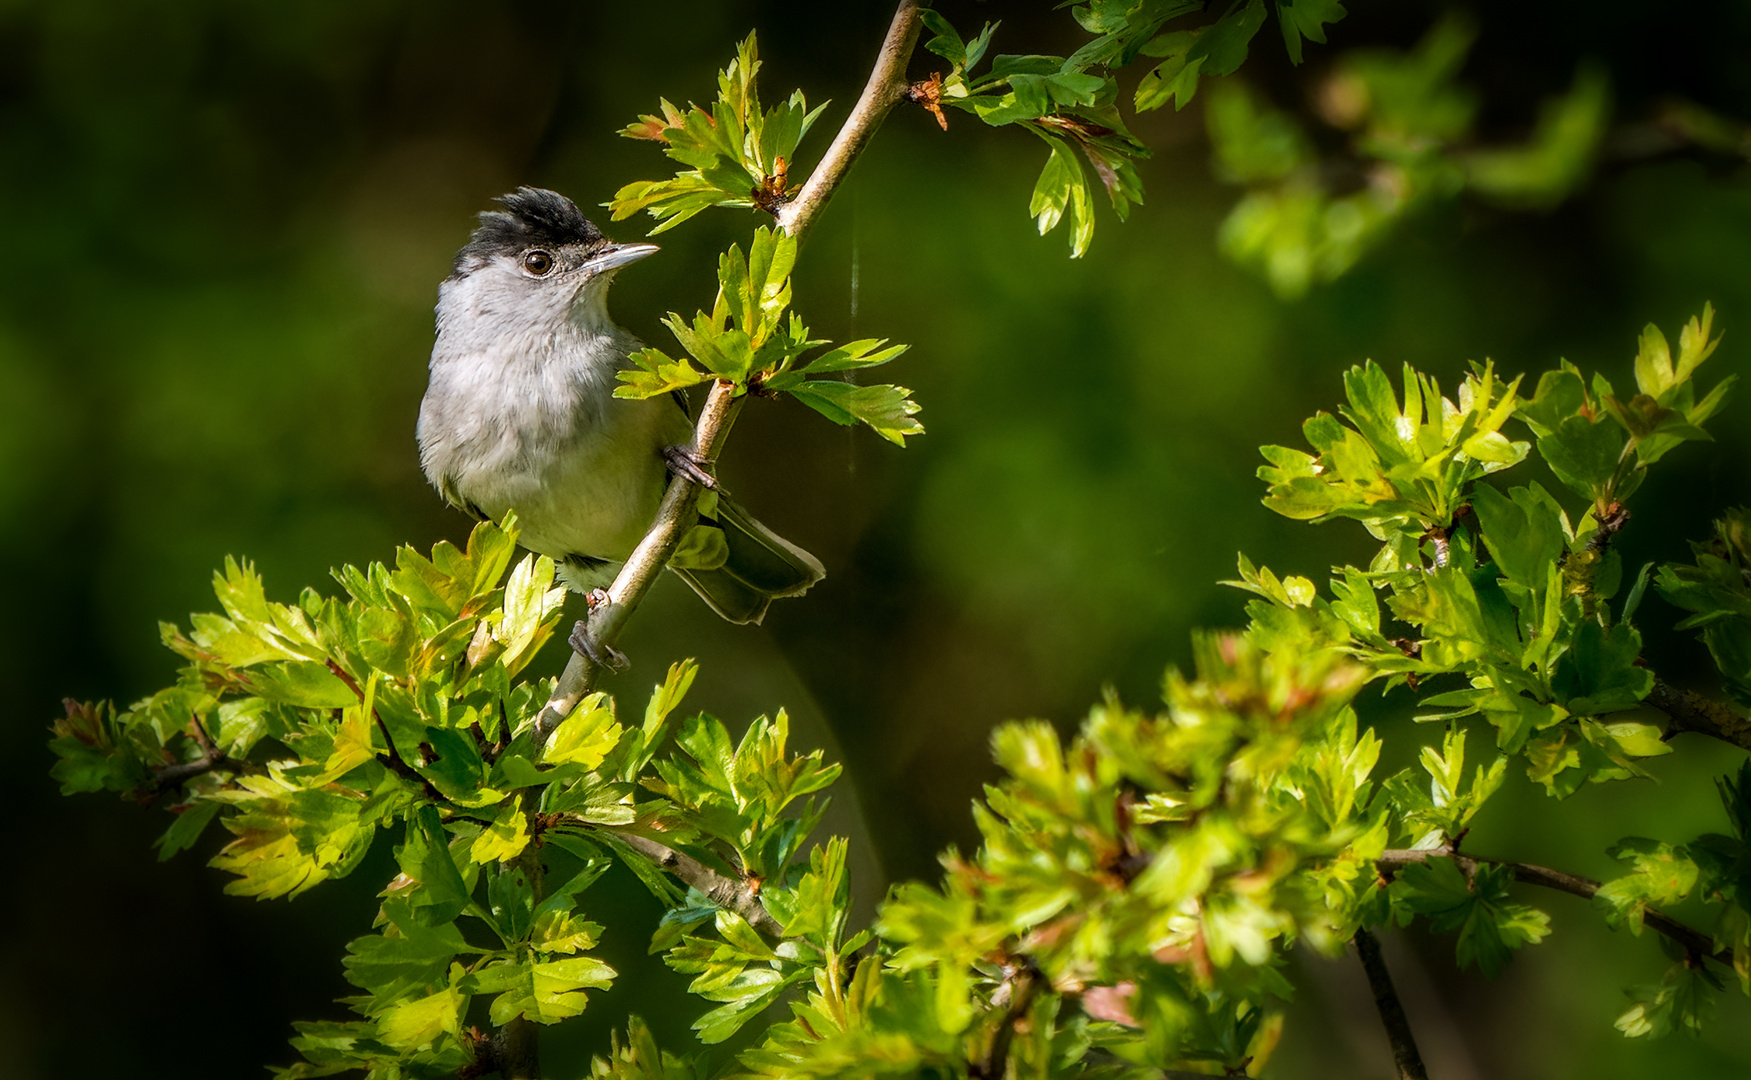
x,y
225,224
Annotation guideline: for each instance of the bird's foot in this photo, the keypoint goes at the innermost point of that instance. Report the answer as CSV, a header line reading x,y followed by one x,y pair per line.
x,y
583,641
685,463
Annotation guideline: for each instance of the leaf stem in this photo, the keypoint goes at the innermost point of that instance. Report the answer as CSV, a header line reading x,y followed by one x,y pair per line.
x,y
1398,1029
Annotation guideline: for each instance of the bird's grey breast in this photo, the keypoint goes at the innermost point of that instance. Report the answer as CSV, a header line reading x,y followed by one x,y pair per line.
x,y
516,384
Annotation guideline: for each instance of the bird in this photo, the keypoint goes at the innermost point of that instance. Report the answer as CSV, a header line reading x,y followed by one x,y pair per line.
x,y
520,415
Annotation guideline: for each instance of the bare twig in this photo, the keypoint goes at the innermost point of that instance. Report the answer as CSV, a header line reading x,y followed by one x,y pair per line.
x,y
886,86
1695,942
1690,711
732,894
1398,1029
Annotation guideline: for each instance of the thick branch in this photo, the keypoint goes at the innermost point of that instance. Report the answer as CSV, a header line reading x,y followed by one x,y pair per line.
x,y
513,1051
1690,711
732,894
1398,1029
1696,943
887,85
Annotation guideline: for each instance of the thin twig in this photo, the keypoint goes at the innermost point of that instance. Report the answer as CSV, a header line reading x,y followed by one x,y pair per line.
x,y
171,775
732,894
886,86
1695,942
390,758
1398,1029
1690,711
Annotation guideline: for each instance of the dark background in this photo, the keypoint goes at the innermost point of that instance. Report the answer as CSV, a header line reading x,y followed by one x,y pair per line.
x,y
224,226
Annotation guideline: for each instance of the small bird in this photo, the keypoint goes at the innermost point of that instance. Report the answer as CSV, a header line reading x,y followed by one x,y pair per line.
x,y
520,414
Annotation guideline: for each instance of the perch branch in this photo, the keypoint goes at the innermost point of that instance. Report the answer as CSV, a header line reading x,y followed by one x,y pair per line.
x,y
887,83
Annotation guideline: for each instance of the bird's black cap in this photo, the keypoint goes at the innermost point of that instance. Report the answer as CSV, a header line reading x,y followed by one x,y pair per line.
x,y
532,217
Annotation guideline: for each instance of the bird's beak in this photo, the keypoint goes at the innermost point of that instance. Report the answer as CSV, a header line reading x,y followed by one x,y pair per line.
x,y
618,255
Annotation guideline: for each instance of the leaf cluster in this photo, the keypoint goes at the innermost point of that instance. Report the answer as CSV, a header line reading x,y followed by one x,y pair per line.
x,y
1504,593
306,730
1071,102
752,340
1404,124
737,153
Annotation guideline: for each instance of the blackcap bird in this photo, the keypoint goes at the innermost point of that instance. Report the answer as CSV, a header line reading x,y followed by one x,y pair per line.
x,y
520,414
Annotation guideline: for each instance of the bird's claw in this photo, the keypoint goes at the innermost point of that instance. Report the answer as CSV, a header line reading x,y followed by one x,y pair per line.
x,y
584,642
685,463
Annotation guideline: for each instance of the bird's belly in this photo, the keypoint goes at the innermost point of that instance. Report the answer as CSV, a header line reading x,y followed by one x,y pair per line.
x,y
593,494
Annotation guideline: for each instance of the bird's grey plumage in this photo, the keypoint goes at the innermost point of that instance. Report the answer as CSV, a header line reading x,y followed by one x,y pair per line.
x,y
520,413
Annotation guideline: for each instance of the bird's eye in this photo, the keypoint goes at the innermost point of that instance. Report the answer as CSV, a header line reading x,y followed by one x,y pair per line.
x,y
537,262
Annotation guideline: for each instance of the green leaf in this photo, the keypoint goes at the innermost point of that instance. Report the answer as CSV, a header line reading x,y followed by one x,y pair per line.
x,y
1682,1001
864,353
415,1025
888,410
1489,926
1600,673
1306,19
545,991
656,373
504,837
1584,454
424,856
407,958
1523,530
1063,186
1217,49
190,822
587,736
1660,874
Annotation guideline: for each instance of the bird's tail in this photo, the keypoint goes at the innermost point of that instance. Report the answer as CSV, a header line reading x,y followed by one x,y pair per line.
x,y
759,567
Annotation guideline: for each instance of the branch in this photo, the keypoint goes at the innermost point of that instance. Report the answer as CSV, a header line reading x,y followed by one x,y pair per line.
x,y
1398,1028
674,517
1690,711
212,759
733,894
1694,942
886,86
